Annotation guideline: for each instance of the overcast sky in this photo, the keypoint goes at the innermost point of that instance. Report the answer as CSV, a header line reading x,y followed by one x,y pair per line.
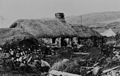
x,y
13,9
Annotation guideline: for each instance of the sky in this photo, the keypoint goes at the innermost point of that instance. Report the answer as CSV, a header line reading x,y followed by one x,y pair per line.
x,y
11,10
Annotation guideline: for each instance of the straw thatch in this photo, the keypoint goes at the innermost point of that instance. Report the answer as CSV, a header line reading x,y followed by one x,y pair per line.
x,y
44,28
53,28
83,31
33,27
11,35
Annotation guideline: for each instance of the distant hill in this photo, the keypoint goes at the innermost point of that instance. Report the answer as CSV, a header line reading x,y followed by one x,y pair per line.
x,y
98,21
94,18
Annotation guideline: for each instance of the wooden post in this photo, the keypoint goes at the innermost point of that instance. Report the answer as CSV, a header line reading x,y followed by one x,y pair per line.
x,y
59,73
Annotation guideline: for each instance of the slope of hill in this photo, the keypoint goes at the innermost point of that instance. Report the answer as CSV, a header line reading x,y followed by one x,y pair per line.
x,y
94,18
98,21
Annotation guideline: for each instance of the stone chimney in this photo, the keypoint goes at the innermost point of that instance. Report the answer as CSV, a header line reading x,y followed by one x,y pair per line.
x,y
60,17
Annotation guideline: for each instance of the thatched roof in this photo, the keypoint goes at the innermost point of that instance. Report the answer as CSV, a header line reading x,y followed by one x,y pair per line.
x,y
11,35
83,31
44,28
53,28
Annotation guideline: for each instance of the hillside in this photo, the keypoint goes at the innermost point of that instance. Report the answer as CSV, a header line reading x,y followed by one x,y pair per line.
x,y
94,18
98,21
